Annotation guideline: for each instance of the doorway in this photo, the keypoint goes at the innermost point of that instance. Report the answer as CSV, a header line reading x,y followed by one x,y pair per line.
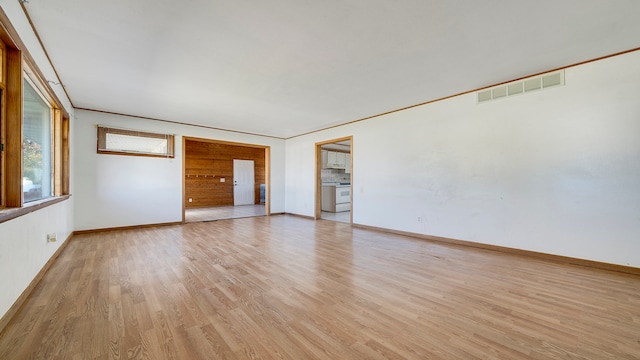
x,y
224,180
334,175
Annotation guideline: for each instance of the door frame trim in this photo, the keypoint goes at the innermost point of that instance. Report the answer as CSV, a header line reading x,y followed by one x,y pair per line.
x,y
318,199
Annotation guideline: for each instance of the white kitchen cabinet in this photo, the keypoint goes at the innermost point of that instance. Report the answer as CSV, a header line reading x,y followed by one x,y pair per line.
x,y
341,158
347,164
335,160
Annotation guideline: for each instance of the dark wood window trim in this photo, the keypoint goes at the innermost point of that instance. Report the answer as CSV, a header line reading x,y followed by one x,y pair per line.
x,y
102,140
19,64
12,129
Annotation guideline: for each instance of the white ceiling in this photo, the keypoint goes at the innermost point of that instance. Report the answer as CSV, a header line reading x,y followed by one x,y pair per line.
x,y
286,67
339,145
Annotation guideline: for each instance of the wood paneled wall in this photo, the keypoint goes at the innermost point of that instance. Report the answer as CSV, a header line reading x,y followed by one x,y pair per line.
x,y
207,162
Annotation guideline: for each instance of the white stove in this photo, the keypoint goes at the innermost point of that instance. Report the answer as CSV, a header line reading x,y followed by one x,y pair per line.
x,y
336,197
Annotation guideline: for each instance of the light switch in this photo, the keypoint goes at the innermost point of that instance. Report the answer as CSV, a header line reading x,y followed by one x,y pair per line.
x,y
222,180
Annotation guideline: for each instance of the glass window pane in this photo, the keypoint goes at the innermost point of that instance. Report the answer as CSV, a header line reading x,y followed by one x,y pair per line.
x,y
145,145
134,142
36,146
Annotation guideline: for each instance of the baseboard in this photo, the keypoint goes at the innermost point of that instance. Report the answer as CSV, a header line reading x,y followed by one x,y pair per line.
x,y
504,249
13,310
92,231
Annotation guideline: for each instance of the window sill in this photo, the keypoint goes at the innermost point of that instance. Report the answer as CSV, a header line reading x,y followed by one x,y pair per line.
x,y
12,213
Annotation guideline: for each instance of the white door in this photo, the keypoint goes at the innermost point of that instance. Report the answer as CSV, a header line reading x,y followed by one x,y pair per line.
x,y
243,182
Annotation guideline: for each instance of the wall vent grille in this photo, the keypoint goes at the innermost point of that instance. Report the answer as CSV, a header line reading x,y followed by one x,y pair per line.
x,y
522,86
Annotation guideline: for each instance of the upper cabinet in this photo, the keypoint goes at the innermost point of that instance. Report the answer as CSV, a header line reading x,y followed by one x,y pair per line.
x,y
347,164
334,160
325,158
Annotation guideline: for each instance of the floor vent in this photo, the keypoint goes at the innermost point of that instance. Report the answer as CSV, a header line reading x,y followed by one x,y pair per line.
x,y
522,86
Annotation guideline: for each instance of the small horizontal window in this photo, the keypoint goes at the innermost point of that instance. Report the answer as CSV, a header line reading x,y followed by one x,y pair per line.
x,y
131,142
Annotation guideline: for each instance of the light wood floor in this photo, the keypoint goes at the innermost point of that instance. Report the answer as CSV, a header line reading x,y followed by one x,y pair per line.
x,y
223,212
344,216
292,288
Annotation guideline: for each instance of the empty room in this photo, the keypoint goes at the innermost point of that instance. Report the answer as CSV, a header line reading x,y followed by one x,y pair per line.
x,y
214,179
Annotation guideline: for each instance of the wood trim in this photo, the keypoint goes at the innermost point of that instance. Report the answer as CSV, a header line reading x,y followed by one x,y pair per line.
x,y
13,127
267,180
57,152
341,139
131,227
467,92
5,35
6,318
184,180
18,62
318,193
178,123
13,33
130,132
102,140
15,40
508,250
61,154
106,152
451,302
351,182
46,53
65,166
372,116
12,213
223,142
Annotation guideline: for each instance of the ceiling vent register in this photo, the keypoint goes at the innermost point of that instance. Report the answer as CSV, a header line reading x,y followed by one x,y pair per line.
x,y
522,86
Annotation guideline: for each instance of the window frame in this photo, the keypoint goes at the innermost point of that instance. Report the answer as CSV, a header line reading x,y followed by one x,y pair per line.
x,y
102,139
17,66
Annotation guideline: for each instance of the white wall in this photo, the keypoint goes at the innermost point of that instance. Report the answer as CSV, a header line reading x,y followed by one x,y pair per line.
x,y
23,246
24,249
555,171
116,191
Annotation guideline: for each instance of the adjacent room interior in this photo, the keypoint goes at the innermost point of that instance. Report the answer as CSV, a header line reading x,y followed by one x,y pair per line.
x,y
319,180
224,180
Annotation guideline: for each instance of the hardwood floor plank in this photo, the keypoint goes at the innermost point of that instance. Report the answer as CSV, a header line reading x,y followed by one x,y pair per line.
x,y
285,287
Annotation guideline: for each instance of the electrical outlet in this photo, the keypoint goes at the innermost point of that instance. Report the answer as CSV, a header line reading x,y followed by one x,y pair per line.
x,y
222,179
190,199
52,238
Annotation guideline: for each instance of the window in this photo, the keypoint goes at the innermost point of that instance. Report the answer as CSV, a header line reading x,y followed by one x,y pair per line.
x,y
131,142
34,132
37,179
